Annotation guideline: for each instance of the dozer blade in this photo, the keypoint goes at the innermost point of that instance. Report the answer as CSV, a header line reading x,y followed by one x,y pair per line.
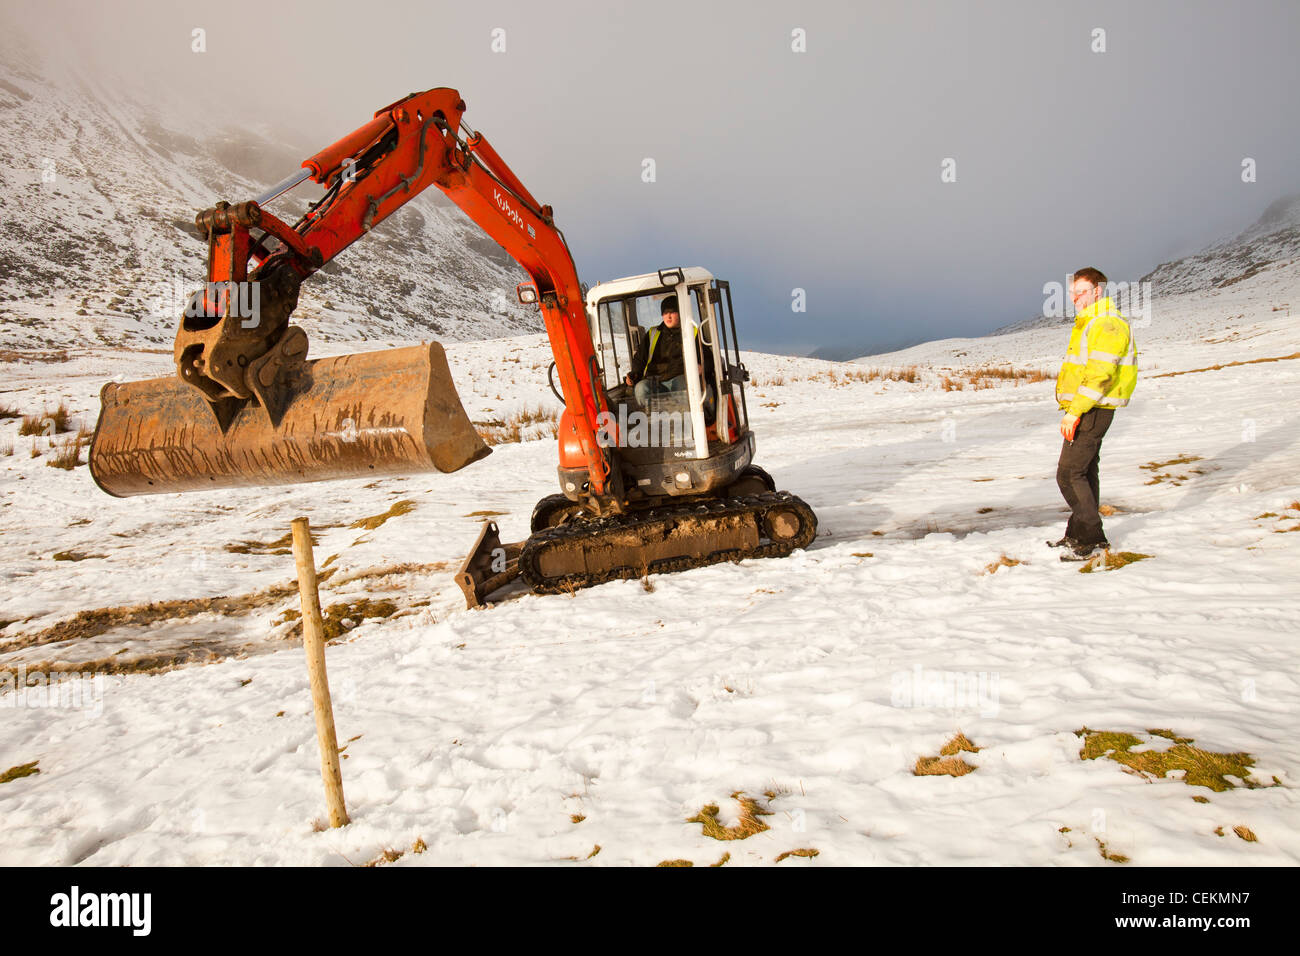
x,y
389,412
489,566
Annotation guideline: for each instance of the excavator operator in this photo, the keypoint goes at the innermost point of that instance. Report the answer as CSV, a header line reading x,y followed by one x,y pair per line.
x,y
659,358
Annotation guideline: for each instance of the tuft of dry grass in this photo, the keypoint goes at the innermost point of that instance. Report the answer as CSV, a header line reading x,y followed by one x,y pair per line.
x,y
74,556
807,852
749,823
948,763
536,414
512,428
1202,768
20,771
1162,465
941,766
1214,368
1002,562
958,744
1107,510
67,454
1107,855
389,855
46,423
374,521
988,377
674,863
722,860
577,817
910,374
8,411
281,545
503,435
1112,560
1245,833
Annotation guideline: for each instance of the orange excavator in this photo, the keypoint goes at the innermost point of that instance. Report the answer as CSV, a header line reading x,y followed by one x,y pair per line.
x,y
655,480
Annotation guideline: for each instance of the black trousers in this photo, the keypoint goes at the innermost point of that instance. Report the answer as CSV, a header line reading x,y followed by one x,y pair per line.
x,y
1076,476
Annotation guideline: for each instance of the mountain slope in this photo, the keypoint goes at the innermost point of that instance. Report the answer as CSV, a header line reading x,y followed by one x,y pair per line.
x,y
97,246
1272,242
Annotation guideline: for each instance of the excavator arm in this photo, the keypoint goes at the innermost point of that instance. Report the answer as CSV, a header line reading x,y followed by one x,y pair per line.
x,y
271,415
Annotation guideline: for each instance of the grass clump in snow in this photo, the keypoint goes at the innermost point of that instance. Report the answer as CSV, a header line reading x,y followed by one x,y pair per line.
x,y
980,378
948,762
1202,768
343,617
1163,470
46,423
808,852
22,770
1245,833
1107,855
748,825
1002,562
1213,368
398,509
674,863
1112,560
281,545
67,454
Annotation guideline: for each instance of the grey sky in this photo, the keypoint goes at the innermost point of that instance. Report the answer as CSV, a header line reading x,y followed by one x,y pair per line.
x,y
776,169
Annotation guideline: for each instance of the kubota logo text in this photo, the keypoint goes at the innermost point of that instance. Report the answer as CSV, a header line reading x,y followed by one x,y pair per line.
x,y
505,208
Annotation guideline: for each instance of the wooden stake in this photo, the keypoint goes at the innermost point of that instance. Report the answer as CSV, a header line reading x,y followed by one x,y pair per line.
x,y
313,642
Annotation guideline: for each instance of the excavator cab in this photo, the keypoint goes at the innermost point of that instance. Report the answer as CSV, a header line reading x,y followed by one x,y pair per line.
x,y
690,435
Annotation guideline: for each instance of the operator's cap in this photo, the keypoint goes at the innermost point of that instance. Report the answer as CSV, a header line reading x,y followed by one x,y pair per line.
x,y
669,305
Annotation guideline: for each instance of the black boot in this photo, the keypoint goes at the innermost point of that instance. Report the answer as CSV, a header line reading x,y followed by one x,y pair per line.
x,y
1084,552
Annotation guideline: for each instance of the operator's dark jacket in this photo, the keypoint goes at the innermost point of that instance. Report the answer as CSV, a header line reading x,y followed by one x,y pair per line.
x,y
667,361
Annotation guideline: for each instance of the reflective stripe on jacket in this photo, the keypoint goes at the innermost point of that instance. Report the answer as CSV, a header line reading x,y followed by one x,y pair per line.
x,y
1100,367
673,359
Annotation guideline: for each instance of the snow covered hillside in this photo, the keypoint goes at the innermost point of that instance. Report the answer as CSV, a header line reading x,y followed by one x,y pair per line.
x,y
591,729
97,243
1272,242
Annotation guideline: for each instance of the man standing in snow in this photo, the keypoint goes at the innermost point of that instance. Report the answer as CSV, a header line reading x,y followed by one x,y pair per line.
x,y
1097,377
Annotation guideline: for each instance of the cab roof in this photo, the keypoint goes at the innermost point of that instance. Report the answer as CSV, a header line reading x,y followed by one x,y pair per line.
x,y
617,288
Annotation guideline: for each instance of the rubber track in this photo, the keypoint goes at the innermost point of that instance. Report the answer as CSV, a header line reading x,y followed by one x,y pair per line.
x,y
590,530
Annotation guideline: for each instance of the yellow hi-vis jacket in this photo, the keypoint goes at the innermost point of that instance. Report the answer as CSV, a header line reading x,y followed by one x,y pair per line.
x,y
1100,367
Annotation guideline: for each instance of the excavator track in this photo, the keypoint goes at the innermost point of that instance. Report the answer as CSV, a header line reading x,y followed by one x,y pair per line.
x,y
591,551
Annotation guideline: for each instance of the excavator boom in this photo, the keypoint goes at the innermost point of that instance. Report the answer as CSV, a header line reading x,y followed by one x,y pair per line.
x,y
247,406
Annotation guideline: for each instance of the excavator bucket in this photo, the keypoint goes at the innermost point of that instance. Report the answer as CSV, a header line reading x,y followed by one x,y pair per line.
x,y
368,414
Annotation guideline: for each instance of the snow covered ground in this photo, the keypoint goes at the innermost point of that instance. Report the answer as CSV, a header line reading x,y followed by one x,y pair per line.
x,y
541,728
